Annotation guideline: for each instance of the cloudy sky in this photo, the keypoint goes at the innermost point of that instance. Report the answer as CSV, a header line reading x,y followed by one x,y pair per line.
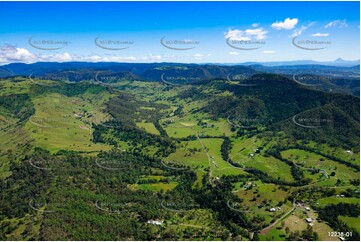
x,y
199,32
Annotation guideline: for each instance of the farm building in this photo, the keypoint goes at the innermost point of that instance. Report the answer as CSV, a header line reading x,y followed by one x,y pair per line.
x,y
309,220
155,222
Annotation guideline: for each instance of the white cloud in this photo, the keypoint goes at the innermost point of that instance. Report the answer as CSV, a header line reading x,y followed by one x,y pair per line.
x,y
255,25
336,23
299,31
320,35
94,58
236,35
259,33
268,51
198,56
152,57
248,34
114,58
234,53
286,24
9,53
90,58
57,57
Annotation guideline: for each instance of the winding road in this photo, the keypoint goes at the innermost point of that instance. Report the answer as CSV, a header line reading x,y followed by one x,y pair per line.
x,y
203,147
265,230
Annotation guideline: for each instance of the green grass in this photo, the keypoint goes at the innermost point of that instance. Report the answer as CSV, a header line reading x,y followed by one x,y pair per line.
x,y
190,153
335,200
256,195
322,230
4,168
155,186
60,123
21,85
148,127
353,222
193,218
312,160
194,105
338,152
273,235
272,166
13,143
189,125
295,221
154,177
218,165
215,128
243,147
177,130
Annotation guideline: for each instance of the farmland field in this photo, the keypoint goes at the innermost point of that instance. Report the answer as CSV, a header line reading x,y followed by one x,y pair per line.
x,y
170,154
180,120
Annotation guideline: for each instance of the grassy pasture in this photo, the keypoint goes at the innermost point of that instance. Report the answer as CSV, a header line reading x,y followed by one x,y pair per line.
x,y
59,123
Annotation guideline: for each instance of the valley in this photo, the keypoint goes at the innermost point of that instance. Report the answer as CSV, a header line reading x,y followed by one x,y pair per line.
x,y
137,158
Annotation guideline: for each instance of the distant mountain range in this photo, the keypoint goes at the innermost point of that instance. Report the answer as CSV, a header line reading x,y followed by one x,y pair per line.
x,y
337,62
338,76
139,68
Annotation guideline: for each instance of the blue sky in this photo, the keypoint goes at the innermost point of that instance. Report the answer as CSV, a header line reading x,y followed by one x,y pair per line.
x,y
132,31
